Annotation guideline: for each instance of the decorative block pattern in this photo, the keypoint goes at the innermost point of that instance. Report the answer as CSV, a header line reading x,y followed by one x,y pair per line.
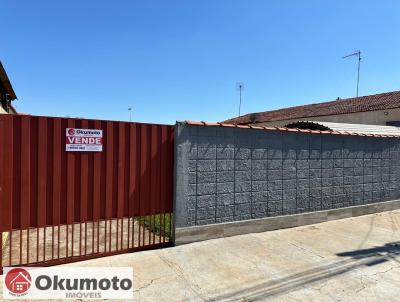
x,y
230,174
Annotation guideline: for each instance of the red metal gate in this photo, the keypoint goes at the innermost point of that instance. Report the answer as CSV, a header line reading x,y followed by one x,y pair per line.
x,y
58,207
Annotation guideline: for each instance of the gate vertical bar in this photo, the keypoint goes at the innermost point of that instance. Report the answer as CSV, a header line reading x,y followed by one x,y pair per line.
x,y
121,181
84,195
25,179
2,190
109,181
57,182
42,183
96,191
7,177
70,194
170,186
164,176
155,169
134,188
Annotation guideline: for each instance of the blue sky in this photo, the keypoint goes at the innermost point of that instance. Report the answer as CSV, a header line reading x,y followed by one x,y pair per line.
x,y
178,60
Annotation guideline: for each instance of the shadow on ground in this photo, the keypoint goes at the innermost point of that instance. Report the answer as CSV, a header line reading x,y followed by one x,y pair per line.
x,y
380,253
278,286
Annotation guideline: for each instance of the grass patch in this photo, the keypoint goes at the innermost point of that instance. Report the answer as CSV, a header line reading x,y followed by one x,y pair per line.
x,y
156,223
4,239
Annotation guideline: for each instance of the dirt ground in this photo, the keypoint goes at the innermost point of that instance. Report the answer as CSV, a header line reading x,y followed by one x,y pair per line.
x,y
44,244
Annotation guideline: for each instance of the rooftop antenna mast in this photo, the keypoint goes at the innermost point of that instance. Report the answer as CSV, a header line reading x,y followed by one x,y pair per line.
x,y
130,113
357,54
240,87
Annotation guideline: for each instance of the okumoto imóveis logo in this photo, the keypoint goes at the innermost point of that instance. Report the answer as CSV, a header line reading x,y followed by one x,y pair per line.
x,y
17,281
68,283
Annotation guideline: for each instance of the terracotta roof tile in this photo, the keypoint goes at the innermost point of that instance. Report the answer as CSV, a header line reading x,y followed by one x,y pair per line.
x,y
382,101
330,132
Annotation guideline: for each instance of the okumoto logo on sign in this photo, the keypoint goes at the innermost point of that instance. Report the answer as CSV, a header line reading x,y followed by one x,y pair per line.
x,y
68,283
84,140
17,281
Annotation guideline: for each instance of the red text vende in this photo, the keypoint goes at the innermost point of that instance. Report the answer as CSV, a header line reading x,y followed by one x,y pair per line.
x,y
84,140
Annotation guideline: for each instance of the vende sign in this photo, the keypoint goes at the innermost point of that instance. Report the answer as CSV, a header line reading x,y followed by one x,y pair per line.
x,y
85,140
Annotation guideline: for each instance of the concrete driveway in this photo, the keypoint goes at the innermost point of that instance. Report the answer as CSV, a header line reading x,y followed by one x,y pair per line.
x,y
355,259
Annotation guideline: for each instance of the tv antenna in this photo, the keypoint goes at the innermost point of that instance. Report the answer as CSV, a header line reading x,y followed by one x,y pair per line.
x,y
130,113
356,54
240,87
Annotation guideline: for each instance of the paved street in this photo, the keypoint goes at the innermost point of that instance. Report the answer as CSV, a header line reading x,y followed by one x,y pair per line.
x,y
354,259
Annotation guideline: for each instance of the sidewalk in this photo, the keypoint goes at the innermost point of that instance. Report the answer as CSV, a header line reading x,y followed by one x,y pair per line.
x,y
355,259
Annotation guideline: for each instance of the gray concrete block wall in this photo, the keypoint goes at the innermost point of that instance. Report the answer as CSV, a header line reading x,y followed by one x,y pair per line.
x,y
230,174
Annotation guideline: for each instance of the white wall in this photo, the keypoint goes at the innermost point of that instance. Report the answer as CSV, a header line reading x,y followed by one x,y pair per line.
x,y
379,117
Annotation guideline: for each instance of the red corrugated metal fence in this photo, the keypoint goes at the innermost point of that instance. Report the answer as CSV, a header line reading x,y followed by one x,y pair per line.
x,y
58,206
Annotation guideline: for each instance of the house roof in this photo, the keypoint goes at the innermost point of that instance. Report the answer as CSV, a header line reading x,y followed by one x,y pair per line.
x,y
20,274
344,127
6,84
382,101
287,129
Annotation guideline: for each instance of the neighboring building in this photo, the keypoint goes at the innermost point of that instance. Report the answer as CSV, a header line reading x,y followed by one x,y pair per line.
x,y
345,128
377,109
7,94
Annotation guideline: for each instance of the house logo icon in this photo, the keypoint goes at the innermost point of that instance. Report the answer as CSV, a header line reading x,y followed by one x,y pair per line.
x,y
18,281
